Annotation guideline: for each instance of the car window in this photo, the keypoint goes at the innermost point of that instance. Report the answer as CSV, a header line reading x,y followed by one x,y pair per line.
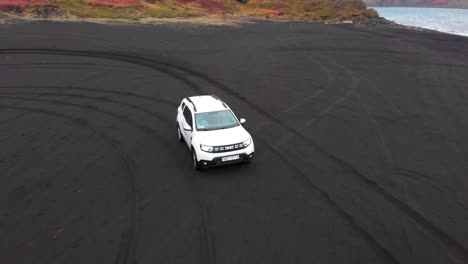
x,y
188,116
182,106
215,120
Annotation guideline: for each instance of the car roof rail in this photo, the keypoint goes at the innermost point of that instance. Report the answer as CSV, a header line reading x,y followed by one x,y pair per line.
x,y
217,98
194,107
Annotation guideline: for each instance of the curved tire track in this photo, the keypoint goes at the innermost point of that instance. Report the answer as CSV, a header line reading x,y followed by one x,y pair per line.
x,y
101,99
153,65
207,246
458,248
148,130
306,180
125,161
128,237
169,69
79,88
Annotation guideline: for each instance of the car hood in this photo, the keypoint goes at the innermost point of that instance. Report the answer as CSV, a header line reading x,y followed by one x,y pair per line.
x,y
223,137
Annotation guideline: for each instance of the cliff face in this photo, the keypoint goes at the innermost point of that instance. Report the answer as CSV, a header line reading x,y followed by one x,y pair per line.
x,y
136,9
419,3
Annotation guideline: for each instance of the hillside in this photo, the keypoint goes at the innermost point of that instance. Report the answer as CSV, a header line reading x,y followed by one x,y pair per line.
x,y
138,9
419,3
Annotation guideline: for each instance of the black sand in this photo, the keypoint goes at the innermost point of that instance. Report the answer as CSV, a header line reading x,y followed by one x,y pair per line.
x,y
361,137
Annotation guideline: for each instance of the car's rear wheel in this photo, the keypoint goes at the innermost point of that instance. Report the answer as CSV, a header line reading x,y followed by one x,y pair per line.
x,y
179,134
196,164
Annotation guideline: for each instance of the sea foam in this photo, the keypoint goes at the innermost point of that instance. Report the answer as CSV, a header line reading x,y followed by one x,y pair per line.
x,y
448,20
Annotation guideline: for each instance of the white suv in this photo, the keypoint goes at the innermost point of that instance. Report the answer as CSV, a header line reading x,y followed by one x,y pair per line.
x,y
212,132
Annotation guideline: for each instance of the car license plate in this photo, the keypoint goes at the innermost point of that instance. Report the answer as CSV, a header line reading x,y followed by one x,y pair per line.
x,y
236,157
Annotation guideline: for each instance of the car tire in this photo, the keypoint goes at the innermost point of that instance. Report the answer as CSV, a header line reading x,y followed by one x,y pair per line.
x,y
195,162
250,159
179,134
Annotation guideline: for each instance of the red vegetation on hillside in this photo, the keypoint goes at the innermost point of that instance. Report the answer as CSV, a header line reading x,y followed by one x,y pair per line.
x,y
6,5
208,4
111,3
135,9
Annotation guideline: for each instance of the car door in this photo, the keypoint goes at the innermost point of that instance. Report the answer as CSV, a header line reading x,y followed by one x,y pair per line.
x,y
180,116
188,120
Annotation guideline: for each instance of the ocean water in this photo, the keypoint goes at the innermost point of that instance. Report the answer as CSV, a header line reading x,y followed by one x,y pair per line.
x,y
449,20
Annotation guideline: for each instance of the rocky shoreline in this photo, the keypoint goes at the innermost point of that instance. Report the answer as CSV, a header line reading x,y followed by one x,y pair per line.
x,y
54,15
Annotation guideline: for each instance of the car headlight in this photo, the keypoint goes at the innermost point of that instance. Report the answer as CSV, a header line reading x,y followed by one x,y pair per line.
x,y
247,142
206,148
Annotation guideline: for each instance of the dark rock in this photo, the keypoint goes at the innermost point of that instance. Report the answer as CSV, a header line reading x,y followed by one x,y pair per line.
x,y
47,11
379,22
371,13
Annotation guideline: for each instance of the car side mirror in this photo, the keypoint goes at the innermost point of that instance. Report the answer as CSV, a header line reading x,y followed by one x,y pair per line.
x,y
242,120
187,127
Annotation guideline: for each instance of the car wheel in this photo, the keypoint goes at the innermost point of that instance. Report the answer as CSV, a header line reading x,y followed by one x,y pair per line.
x,y
249,160
179,134
196,164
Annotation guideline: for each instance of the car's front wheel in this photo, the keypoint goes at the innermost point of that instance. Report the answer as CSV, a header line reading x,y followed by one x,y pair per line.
x,y
179,134
196,163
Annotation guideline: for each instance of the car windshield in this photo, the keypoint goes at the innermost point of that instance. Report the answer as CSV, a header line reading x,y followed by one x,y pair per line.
x,y
215,120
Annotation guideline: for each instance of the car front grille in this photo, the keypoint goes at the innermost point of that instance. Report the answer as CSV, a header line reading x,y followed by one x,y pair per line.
x,y
227,148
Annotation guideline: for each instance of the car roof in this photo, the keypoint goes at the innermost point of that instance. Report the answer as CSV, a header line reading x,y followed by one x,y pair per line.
x,y
206,103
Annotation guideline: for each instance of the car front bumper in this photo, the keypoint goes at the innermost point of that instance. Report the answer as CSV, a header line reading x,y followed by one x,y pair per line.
x,y
207,159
